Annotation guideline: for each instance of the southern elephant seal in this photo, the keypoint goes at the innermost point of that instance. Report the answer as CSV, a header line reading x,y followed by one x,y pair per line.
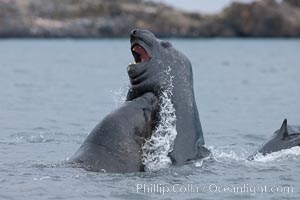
x,y
114,145
160,67
284,138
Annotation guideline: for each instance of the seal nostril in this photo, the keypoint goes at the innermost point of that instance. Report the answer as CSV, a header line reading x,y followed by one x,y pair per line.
x,y
134,32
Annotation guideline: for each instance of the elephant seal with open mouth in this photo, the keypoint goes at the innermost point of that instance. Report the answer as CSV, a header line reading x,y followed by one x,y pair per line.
x,y
158,67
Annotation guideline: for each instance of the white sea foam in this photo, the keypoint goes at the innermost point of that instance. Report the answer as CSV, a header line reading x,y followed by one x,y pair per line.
x,y
221,155
291,153
227,155
156,149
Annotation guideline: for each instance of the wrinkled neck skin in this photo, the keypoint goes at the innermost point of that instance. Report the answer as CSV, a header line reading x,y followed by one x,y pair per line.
x,y
169,68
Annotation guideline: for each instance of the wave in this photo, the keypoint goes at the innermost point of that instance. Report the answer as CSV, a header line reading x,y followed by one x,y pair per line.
x,y
32,138
221,155
284,154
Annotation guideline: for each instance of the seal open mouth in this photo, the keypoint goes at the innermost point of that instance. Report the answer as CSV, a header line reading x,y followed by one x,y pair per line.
x,y
139,53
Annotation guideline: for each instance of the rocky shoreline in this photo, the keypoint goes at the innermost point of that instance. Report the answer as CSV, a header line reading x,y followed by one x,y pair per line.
x,y
112,18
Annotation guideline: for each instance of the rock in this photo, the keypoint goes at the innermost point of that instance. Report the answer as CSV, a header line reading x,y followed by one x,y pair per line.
x,y
112,18
262,19
293,2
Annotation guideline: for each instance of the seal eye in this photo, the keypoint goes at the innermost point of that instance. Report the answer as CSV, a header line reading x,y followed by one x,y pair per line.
x,y
139,54
165,44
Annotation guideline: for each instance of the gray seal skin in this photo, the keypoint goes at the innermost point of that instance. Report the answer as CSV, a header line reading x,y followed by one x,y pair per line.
x,y
153,57
114,145
284,138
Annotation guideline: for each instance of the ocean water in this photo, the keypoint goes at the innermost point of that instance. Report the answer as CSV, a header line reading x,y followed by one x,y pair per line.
x,y
53,92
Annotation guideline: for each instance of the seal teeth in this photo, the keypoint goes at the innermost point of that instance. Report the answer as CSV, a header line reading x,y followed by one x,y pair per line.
x,y
139,53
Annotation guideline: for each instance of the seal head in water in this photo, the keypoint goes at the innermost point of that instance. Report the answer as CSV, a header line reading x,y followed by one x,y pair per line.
x,y
115,144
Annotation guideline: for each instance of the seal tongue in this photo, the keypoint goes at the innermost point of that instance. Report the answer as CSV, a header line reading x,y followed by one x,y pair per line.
x,y
141,52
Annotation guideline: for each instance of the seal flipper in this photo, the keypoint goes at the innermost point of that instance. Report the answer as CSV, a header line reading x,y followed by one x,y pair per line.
x,y
283,131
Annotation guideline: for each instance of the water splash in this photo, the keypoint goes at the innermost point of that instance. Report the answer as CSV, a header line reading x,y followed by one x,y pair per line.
x,y
120,95
156,149
221,155
284,154
200,163
33,138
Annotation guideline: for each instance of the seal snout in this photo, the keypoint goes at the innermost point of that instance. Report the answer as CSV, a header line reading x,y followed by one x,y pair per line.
x,y
133,32
137,33
134,35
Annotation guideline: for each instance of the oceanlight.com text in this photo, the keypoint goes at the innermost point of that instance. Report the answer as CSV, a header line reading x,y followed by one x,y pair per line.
x,y
210,188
